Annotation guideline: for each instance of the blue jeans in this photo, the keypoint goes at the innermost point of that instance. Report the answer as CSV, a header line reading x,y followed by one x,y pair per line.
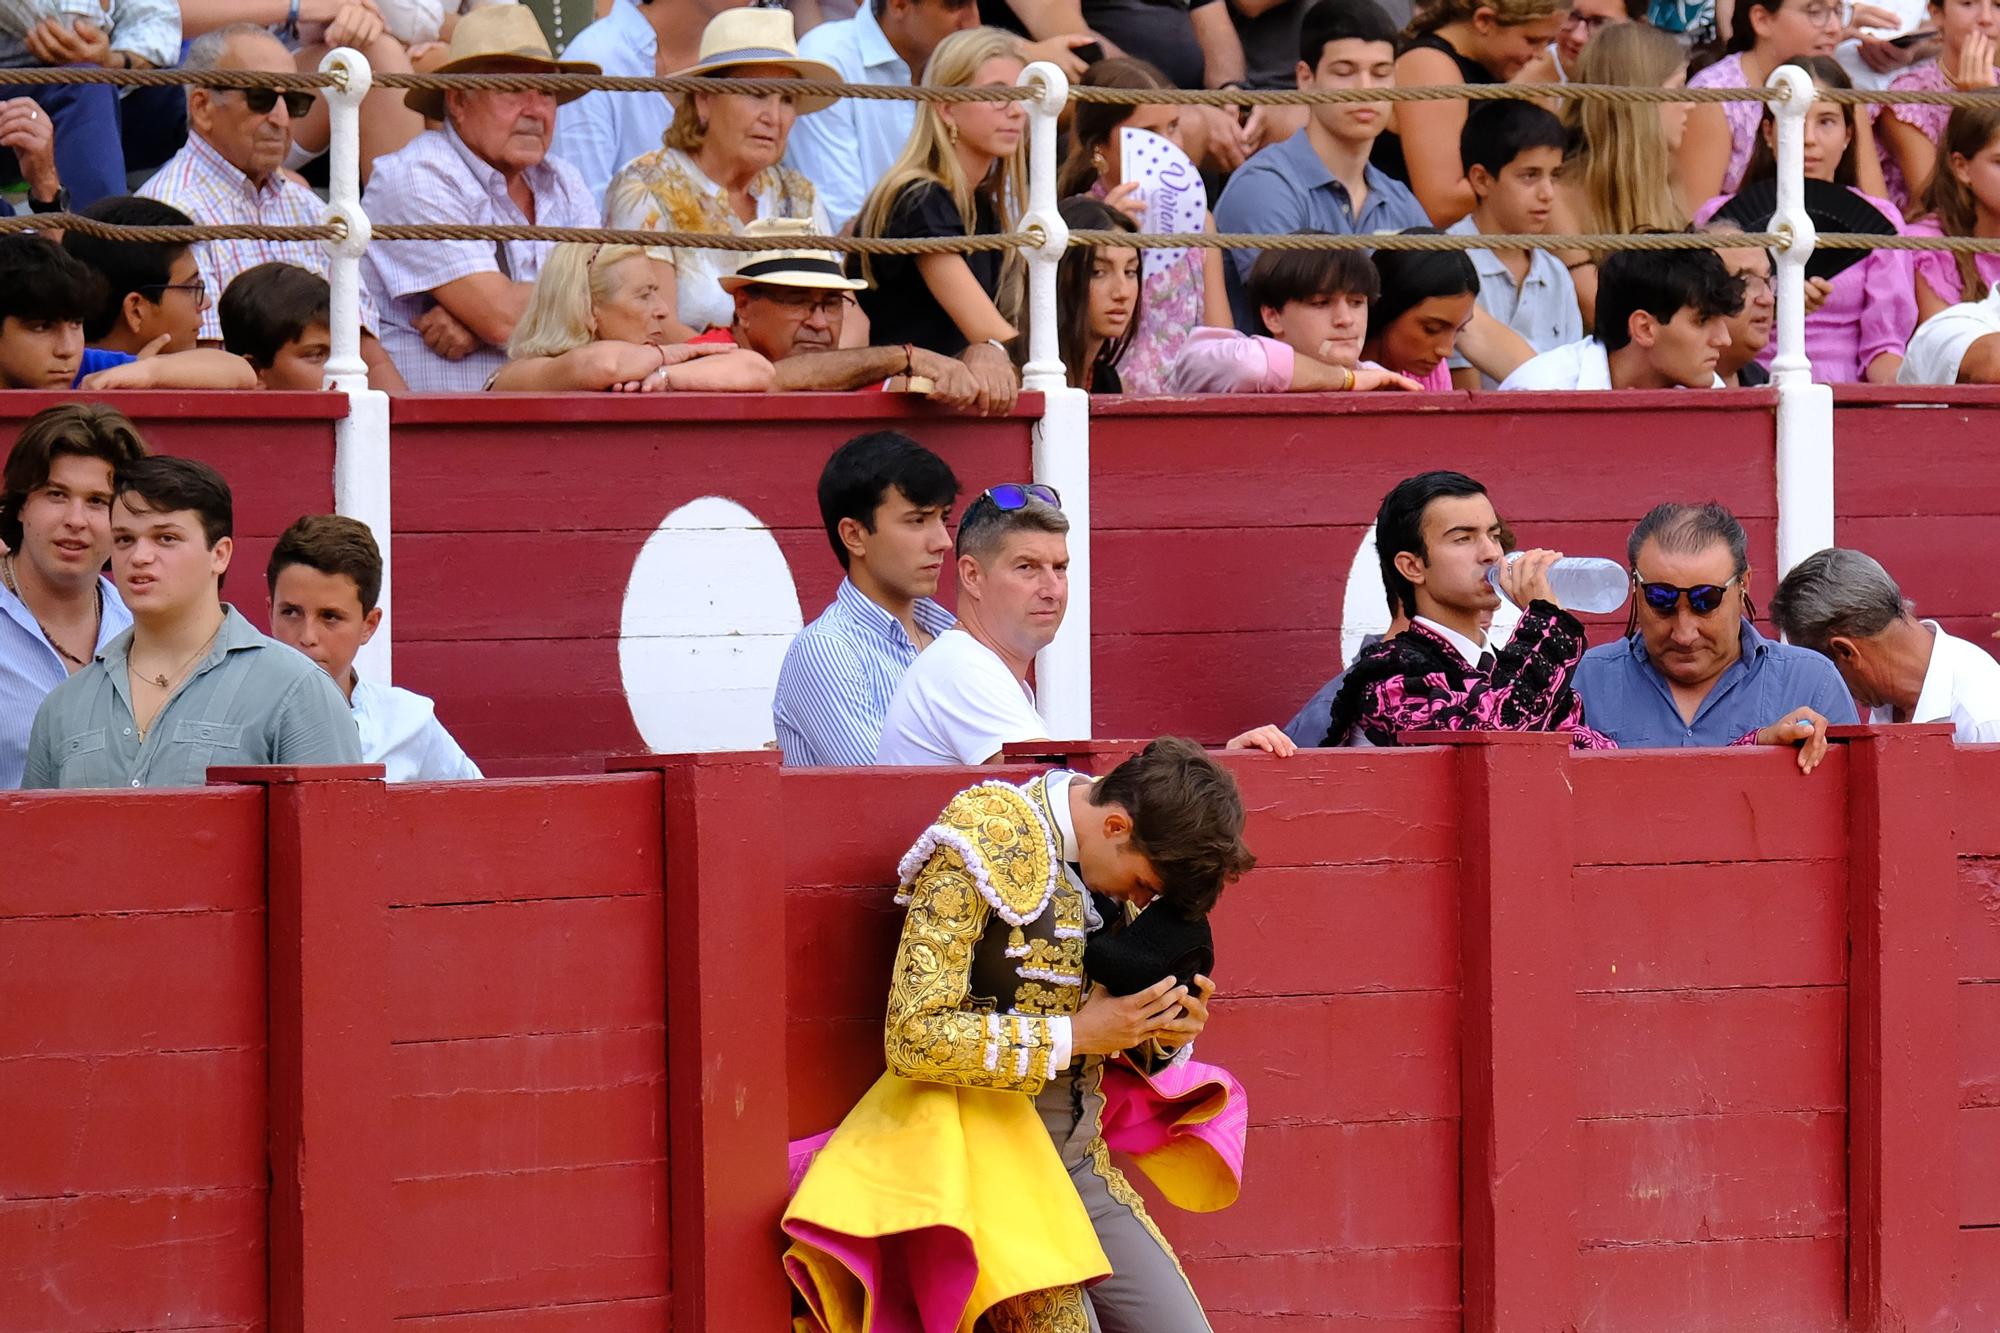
x,y
99,136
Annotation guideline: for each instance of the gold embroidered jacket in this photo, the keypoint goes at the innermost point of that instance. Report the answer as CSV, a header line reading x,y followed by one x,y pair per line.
x,y
992,946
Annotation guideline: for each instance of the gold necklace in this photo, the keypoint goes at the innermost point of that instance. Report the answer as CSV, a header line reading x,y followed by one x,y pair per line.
x,y
161,680
7,575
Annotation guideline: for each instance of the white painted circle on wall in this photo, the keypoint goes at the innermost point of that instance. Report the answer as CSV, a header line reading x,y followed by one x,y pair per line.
x,y
1364,607
709,611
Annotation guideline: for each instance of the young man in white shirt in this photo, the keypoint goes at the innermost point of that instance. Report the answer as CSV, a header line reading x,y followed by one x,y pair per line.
x,y
324,577
1844,604
1662,322
1958,345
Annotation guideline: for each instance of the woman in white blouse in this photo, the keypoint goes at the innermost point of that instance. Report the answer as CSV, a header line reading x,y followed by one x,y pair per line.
x,y
717,167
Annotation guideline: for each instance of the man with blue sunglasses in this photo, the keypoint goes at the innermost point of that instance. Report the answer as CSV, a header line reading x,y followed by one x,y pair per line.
x,y
1692,669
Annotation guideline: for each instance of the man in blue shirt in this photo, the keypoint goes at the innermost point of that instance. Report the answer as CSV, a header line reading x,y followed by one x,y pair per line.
x,y
1696,672
1320,178
885,500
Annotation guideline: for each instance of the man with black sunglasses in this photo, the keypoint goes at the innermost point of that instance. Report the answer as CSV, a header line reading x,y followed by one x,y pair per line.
x,y
1692,669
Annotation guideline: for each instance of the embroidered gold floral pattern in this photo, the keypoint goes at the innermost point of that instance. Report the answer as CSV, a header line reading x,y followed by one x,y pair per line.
x,y
1056,1310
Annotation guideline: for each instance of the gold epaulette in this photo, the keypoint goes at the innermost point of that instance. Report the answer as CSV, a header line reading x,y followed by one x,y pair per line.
x,y
995,832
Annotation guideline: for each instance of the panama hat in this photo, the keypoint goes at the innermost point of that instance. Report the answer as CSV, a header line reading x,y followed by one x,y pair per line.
x,y
758,36
788,268
497,39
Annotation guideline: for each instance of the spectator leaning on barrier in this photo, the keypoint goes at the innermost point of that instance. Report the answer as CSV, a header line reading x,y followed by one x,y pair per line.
x,y
846,148
1314,305
598,318
791,306
57,610
1959,345
230,173
1320,179
449,307
1844,604
154,294
324,576
1692,670
1513,154
885,501
1438,536
1662,323
717,169
274,316
191,684
1428,310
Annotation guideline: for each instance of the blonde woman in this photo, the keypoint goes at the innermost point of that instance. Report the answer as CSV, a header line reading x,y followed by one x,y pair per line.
x,y
1620,175
716,169
962,173
598,320
1457,41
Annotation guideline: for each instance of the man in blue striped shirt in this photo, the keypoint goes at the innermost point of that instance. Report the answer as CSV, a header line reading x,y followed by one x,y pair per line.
x,y
885,500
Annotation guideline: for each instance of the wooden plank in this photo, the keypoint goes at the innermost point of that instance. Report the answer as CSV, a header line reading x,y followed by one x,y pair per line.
x,y
1406,1290
153,1122
1196,685
1975,815
504,1104
1979,1044
1979,1166
1395,924
158,981
146,851
643,1314
1912,548
1919,461
482,1242
1749,1286
525,705
1978,918
1703,1178
835,1061
836,835
1780,923
1703,1052
1398,1055
1755,806
1978,1303
564,965
90,1262
514,841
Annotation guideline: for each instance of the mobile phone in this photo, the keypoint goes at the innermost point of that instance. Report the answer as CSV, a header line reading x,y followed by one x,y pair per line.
x,y
1910,39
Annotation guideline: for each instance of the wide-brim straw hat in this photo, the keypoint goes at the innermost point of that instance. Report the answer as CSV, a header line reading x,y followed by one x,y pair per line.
x,y
497,39
817,269
754,36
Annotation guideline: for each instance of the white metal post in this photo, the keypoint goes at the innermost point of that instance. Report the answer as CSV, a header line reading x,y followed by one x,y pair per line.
x,y
1062,436
1805,409
361,438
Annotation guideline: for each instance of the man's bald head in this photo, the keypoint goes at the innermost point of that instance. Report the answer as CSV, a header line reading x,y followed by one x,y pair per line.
x,y
254,142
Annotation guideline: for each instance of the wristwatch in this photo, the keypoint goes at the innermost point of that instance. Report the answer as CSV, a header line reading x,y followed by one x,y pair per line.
x,y
59,204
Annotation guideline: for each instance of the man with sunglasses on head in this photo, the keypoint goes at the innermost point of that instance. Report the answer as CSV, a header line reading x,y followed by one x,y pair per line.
x,y
230,172
1692,669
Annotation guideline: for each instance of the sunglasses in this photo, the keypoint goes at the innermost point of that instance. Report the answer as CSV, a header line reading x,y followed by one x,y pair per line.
x,y
298,105
1702,599
1017,495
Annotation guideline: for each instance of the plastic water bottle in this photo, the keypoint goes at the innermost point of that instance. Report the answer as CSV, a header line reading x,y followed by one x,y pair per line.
x,y
1580,583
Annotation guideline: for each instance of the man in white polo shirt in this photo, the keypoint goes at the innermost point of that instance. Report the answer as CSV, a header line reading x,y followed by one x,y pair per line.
x,y
1662,322
1958,345
1844,604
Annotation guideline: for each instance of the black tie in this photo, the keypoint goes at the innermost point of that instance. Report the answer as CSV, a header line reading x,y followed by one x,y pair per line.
x,y
1487,661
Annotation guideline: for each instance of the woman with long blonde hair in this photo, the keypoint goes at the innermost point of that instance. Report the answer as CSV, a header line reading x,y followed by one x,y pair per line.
x,y
963,173
599,318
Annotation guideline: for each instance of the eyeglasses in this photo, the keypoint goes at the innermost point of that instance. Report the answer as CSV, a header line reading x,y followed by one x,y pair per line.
x,y
1702,599
1821,14
1590,23
298,105
1755,284
197,289
804,303
1018,495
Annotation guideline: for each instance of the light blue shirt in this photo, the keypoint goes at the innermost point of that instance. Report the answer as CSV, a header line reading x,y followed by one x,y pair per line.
x,y
1541,307
846,148
30,668
839,675
1625,697
600,132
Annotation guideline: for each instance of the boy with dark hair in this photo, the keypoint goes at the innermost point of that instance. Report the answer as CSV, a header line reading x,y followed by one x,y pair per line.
x,y
885,500
324,577
191,676
1438,536
1513,152
1320,179
153,293
1662,322
996,1050
57,610
275,316
1313,304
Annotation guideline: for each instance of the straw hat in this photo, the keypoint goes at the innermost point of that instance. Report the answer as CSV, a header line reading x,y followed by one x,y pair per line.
x,y
757,36
497,39
819,269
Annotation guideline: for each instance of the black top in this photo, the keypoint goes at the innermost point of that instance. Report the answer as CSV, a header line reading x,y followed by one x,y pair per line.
x,y
900,306
1752,376
1388,152
1104,379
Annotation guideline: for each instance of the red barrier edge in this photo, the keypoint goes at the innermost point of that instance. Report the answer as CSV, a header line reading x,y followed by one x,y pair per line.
x,y
1902,1030
327,924
726,1078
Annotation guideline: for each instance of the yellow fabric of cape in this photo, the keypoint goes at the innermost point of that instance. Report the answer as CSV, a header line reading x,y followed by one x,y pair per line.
x,y
925,1179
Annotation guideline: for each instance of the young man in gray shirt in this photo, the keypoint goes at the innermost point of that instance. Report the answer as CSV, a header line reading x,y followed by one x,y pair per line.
x,y
192,683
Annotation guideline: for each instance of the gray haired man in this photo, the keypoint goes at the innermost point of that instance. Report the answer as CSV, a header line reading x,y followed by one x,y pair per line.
x,y
1844,604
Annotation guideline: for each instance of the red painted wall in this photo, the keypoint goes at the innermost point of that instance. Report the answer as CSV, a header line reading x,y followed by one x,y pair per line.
x,y
1532,1039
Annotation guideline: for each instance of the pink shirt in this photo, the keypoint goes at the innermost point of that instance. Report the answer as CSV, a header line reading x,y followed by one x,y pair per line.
x,y
1939,268
1873,309
1225,361
1743,117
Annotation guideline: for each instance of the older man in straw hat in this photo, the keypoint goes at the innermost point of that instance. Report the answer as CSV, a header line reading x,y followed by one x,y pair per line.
x,y
791,306
449,306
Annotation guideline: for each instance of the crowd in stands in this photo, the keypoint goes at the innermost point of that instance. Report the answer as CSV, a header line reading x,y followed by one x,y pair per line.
x,y
451,316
